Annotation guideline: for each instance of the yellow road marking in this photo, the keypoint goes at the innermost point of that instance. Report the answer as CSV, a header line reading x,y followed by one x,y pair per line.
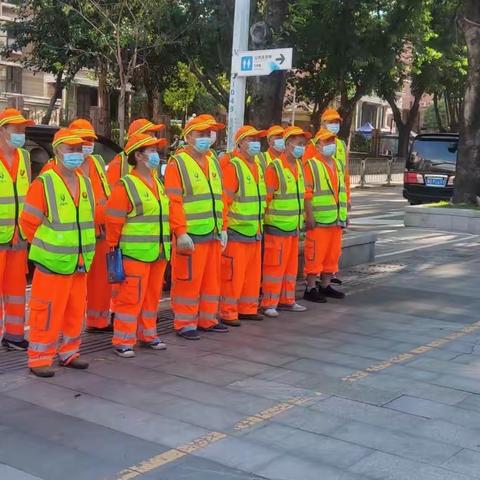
x,y
415,352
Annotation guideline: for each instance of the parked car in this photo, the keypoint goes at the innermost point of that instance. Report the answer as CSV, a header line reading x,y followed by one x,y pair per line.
x,y
430,168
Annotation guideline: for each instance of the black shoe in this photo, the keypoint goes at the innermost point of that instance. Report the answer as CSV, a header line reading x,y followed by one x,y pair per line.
x,y
218,328
231,323
336,280
253,317
76,364
42,372
20,346
189,335
314,296
331,292
107,329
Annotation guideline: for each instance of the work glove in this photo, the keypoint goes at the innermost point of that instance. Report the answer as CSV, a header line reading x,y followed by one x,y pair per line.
x,y
223,239
185,243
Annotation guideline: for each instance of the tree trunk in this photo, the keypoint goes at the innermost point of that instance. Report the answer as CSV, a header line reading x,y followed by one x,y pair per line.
x,y
105,124
440,126
121,113
57,93
467,180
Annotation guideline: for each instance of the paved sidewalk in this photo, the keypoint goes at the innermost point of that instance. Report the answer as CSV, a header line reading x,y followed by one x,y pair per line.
x,y
384,385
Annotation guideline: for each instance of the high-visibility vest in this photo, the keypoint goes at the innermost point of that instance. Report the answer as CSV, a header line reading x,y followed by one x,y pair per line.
x,y
341,152
245,214
125,167
147,226
99,165
12,196
202,196
286,209
327,209
265,159
68,231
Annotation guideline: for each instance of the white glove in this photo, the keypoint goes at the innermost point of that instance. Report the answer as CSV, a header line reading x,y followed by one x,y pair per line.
x,y
223,239
185,243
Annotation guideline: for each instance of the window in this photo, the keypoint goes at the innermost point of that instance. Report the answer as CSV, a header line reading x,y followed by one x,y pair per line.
x,y
13,82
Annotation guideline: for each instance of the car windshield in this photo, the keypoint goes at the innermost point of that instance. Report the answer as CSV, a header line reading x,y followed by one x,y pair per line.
x,y
434,152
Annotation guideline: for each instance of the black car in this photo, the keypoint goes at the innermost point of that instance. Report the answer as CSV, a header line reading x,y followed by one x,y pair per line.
x,y
430,169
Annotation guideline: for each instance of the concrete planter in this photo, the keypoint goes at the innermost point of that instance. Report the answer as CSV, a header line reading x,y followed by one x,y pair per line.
x,y
460,220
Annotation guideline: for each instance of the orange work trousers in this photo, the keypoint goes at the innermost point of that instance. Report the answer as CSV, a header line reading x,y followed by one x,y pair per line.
x,y
280,267
57,313
99,291
240,274
323,247
13,282
196,286
135,302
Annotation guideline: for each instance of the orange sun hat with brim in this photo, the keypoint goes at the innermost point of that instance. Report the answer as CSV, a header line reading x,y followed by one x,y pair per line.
x,y
141,140
275,130
13,117
249,131
143,125
330,114
202,122
68,137
83,128
324,135
294,131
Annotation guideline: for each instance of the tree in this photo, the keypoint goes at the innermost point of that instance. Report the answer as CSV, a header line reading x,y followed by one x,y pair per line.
x,y
53,39
467,180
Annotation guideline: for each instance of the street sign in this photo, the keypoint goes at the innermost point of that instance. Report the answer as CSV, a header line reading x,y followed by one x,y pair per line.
x,y
252,63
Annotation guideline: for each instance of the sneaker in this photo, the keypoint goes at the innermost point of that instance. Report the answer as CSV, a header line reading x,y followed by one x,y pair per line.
x,y
218,328
270,312
231,323
314,296
252,317
125,352
107,329
76,364
155,345
332,293
336,281
292,308
42,372
20,346
189,335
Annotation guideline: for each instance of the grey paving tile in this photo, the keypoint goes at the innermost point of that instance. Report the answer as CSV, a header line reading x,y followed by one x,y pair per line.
x,y
10,473
470,402
444,367
10,381
232,364
319,367
382,466
461,383
466,462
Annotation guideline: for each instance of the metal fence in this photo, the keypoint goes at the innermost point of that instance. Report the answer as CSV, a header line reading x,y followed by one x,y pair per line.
x,y
376,170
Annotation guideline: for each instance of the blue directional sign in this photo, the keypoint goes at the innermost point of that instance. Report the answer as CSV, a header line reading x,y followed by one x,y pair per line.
x,y
246,64
250,63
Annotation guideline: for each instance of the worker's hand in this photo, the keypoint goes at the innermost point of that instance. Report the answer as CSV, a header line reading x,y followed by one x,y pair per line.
x,y
310,223
223,239
185,243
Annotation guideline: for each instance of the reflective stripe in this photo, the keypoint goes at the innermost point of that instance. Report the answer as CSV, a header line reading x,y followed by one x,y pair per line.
x,y
174,191
203,196
7,200
41,347
50,193
147,218
20,245
207,315
199,216
290,278
66,340
15,299
7,222
185,300
185,177
234,236
228,300
238,216
324,208
204,238
64,356
208,298
66,227
147,314
248,300
149,332
140,238
125,317
186,316
280,233
272,279
283,213
60,249
96,313
115,212
124,335
36,212
135,195
14,319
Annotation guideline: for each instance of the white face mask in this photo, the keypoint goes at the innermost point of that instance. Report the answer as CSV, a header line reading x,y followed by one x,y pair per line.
x,y
213,136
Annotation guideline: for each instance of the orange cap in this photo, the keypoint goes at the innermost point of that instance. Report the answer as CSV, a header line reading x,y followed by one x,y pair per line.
x,y
202,122
323,134
275,130
14,117
141,140
142,125
83,128
294,131
67,136
249,131
330,114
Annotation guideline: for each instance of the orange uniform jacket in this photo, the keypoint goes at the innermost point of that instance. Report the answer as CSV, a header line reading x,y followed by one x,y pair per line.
x,y
13,170
114,170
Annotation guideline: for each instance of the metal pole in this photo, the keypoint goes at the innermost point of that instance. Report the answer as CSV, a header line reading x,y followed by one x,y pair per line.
x,y
236,105
294,105
363,170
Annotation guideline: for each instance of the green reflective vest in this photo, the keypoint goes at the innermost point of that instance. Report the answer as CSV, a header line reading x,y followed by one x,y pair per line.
x,y
12,196
327,210
264,159
245,215
285,211
125,167
147,226
68,231
202,196
99,165
341,152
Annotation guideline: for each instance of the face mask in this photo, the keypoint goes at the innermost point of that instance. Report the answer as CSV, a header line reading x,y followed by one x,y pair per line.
x,y
333,127
329,150
279,144
17,140
298,151
254,148
213,137
88,149
73,160
202,144
153,160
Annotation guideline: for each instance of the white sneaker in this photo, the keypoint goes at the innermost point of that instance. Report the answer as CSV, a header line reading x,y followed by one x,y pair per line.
x,y
125,352
271,313
155,345
292,308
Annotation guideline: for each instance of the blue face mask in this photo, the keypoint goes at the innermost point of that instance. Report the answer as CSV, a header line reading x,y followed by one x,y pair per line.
x,y
333,127
73,160
279,144
329,150
298,151
88,149
153,160
202,144
254,148
17,140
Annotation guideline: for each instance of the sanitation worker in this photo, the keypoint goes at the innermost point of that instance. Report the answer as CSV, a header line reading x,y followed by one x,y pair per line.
x,y
276,146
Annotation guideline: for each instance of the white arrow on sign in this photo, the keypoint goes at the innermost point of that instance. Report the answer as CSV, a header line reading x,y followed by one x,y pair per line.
x,y
252,63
